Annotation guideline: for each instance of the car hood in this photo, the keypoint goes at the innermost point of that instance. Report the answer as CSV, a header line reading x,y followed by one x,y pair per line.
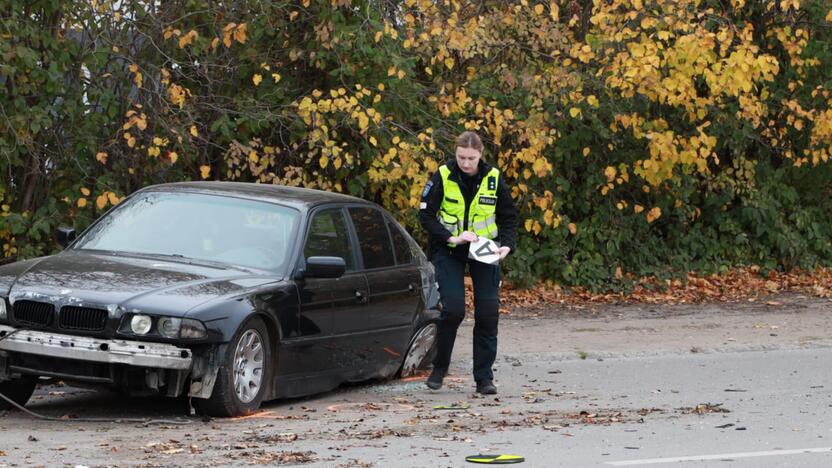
x,y
129,282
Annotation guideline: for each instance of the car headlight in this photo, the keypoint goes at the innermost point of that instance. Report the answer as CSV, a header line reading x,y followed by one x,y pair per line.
x,y
141,324
166,327
169,326
3,313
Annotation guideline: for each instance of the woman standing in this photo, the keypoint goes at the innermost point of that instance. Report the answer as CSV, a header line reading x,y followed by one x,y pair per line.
x,y
463,201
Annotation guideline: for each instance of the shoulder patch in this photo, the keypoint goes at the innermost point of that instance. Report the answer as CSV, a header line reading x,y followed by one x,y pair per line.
x,y
427,189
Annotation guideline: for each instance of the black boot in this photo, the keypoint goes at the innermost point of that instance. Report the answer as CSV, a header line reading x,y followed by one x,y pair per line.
x,y
486,387
434,381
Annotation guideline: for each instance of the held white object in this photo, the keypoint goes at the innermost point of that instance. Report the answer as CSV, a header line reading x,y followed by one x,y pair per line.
x,y
484,250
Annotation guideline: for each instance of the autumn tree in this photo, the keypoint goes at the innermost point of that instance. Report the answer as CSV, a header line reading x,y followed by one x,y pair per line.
x,y
642,137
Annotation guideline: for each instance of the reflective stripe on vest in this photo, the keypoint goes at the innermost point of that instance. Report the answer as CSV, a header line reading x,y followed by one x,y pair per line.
x,y
482,217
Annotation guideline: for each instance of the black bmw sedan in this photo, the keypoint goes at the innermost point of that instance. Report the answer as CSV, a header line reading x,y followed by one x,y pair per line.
x,y
230,293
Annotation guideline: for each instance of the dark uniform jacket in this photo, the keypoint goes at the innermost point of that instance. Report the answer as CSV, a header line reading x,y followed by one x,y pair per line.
x,y
433,194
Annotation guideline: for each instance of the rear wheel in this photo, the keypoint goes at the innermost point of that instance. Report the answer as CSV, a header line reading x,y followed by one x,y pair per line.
x,y
421,351
18,390
244,376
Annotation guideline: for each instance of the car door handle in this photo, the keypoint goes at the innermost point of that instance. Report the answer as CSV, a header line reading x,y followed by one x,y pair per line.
x,y
411,287
360,297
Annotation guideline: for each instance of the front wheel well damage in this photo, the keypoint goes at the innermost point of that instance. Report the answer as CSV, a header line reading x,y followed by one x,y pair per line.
x,y
207,360
204,371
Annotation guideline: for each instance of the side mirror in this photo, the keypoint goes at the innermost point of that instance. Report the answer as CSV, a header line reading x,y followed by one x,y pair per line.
x,y
65,236
325,267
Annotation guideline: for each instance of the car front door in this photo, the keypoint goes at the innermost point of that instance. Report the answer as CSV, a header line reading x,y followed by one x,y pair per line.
x,y
394,288
330,307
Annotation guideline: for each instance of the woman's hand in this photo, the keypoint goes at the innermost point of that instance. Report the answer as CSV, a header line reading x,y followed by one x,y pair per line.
x,y
503,251
464,238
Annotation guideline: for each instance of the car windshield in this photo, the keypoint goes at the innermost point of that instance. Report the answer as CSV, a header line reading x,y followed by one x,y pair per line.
x,y
197,226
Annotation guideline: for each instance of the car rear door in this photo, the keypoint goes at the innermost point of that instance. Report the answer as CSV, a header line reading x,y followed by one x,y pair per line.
x,y
393,285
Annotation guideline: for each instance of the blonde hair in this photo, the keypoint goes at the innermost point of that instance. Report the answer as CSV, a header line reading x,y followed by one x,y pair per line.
x,y
469,140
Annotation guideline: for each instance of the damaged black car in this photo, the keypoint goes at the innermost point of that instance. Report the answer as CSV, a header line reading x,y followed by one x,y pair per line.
x,y
230,293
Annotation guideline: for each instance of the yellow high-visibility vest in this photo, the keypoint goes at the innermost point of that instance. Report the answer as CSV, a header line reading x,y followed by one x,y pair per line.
x,y
482,214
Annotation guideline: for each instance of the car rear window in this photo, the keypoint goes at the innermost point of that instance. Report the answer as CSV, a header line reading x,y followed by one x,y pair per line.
x,y
401,246
372,237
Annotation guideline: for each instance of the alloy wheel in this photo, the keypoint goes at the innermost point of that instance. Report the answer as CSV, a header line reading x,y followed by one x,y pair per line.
x,y
248,366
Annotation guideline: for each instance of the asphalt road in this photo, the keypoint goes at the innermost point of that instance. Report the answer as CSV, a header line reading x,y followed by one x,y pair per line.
x,y
743,385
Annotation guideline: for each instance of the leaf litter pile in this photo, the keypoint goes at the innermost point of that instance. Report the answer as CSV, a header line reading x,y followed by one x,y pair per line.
x,y
741,285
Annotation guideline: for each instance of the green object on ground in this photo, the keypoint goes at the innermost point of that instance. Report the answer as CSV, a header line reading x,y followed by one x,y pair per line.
x,y
500,459
460,406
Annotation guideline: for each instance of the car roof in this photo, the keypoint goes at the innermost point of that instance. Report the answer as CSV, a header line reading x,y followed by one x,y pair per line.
x,y
297,197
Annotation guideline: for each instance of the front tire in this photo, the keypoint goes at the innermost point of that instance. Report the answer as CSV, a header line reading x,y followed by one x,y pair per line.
x,y
421,351
244,376
18,390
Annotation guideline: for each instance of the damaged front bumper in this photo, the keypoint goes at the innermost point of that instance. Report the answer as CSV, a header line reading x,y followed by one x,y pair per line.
x,y
81,348
160,367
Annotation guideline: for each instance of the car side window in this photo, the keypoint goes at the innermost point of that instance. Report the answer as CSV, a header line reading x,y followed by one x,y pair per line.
x,y
401,247
329,237
372,237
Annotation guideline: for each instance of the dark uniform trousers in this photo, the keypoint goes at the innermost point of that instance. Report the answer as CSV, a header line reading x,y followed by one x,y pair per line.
x,y
450,272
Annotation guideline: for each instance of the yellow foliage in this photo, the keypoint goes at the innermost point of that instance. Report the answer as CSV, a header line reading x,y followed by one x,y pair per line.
x,y
541,167
101,157
549,217
654,214
240,33
786,4
137,75
257,79
668,55
177,94
593,101
610,172
188,39
170,32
